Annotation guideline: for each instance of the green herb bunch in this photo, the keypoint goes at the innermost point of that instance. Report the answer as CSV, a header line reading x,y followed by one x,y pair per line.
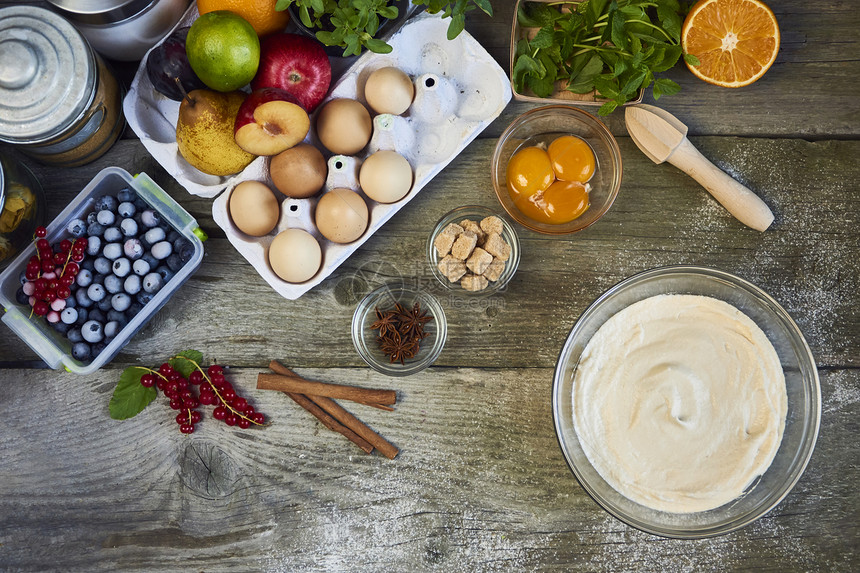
x,y
351,24
456,11
613,47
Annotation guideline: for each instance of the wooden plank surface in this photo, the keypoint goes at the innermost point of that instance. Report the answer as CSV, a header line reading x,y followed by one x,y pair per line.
x,y
480,484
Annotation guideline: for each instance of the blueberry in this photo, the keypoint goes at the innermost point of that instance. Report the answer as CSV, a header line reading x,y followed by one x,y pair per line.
x,y
88,264
69,315
97,315
126,194
141,267
144,297
91,217
74,335
92,331
139,204
61,327
172,236
22,278
112,234
121,267
174,263
105,203
71,302
111,328
112,251
106,218
134,308
120,302
150,218
81,351
95,292
99,278
126,209
94,246
133,249
98,347
153,262
113,284
102,266
84,278
154,235
77,227
132,284
20,297
95,230
152,283
116,316
129,227
184,248
166,273
83,315
83,299
104,304
161,250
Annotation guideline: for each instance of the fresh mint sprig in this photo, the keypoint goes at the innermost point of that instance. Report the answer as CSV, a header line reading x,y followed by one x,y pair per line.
x,y
612,47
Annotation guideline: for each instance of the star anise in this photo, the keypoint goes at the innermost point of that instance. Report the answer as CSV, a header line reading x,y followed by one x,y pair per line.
x,y
385,323
412,321
398,348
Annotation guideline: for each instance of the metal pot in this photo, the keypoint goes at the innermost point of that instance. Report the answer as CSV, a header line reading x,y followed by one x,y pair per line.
x,y
122,29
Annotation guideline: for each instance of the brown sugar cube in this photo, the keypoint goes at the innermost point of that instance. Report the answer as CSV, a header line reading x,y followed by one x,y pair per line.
x,y
479,260
496,246
469,225
443,243
454,229
462,247
494,270
474,282
452,268
492,224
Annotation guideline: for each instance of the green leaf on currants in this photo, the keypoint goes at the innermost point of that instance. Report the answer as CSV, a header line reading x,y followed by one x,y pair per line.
x,y
186,367
130,397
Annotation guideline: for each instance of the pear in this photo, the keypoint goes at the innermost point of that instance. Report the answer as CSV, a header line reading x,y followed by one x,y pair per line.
x,y
204,132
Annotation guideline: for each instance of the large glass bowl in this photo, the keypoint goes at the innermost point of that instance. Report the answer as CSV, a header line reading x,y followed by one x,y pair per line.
x,y
540,126
801,379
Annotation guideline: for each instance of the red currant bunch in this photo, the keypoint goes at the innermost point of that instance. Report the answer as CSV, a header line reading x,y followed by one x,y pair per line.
x,y
50,274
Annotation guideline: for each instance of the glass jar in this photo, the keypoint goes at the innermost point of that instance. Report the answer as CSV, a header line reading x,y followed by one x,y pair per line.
x,y
22,208
58,101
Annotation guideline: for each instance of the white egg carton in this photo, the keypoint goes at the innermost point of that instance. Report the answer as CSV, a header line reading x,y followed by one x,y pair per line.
x,y
459,91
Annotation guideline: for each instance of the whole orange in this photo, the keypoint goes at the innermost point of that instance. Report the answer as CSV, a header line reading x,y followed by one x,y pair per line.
x,y
261,14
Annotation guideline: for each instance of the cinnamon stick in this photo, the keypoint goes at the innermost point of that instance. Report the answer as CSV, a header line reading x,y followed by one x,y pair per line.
x,y
329,422
299,385
342,416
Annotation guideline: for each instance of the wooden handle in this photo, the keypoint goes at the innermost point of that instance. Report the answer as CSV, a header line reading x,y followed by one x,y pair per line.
x,y
738,200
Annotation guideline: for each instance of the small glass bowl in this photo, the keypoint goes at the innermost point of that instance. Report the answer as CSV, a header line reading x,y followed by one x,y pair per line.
x,y
475,213
542,125
801,381
384,298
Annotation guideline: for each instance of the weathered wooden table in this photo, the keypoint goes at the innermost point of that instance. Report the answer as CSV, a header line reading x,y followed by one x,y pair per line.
x,y
480,484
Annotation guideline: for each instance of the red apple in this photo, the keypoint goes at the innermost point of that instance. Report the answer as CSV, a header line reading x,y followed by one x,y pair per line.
x,y
294,63
270,121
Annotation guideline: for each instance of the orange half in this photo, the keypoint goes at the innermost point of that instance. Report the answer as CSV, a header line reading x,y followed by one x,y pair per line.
x,y
736,41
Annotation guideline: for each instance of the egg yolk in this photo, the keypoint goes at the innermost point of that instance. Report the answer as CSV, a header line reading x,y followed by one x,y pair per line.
x,y
562,202
572,159
529,171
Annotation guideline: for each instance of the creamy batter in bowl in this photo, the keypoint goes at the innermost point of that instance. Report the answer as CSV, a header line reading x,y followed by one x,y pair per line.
x,y
735,510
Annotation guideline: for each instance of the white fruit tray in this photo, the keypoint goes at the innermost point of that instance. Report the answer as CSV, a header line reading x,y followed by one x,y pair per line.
x,y
459,91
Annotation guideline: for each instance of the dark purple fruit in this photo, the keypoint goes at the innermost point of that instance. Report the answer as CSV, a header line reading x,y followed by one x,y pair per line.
x,y
168,62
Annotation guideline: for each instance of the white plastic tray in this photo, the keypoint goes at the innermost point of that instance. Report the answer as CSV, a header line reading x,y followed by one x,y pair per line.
x,y
460,89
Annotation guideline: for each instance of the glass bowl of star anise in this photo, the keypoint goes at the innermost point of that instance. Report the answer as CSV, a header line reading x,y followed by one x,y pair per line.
x,y
399,329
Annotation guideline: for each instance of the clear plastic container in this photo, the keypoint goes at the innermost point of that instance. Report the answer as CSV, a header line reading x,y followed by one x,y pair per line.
x,y
50,345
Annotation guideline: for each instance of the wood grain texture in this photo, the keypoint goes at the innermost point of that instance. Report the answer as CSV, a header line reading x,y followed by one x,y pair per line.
x,y
480,484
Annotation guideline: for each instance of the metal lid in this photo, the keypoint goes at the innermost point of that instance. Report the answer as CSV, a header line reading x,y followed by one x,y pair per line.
x,y
89,6
101,12
47,74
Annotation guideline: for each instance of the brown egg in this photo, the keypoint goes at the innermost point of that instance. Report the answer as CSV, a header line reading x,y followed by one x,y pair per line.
x,y
295,255
299,172
341,215
385,176
254,208
344,126
389,90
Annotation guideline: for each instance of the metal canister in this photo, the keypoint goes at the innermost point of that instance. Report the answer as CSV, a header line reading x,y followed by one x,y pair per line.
x,y
22,207
58,101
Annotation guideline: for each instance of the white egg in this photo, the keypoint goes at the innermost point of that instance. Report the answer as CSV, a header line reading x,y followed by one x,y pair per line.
x,y
389,90
385,176
295,255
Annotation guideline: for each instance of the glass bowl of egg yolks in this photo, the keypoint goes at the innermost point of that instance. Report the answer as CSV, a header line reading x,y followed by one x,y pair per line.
x,y
556,169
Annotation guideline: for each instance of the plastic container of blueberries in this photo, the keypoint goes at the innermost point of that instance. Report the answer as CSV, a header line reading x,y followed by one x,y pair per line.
x,y
49,344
